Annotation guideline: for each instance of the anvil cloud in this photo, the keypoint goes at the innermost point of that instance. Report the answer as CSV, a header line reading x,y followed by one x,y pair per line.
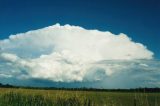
x,y
70,53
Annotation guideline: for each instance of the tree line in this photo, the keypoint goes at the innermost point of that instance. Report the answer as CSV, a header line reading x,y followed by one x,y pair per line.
x,y
145,89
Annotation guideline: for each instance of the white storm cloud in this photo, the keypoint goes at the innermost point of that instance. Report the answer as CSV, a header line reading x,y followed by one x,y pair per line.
x,y
70,53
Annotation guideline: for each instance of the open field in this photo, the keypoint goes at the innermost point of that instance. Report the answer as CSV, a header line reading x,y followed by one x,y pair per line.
x,y
34,97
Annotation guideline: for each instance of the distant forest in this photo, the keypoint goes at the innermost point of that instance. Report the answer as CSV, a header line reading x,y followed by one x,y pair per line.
x,y
85,89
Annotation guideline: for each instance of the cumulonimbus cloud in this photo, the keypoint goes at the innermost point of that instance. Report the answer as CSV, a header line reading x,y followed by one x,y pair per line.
x,y
69,53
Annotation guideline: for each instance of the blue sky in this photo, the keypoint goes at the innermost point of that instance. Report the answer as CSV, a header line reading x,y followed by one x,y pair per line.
x,y
139,19
80,43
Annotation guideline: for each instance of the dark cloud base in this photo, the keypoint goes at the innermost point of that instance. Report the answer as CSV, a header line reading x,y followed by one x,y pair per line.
x,y
134,74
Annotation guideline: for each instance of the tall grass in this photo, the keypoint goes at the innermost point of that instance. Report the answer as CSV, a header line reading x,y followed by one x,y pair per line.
x,y
18,99
29,97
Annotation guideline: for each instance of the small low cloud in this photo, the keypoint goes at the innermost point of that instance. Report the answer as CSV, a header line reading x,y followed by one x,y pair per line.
x,y
71,53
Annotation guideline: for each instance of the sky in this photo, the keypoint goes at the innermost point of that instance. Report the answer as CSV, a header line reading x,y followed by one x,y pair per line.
x,y
91,43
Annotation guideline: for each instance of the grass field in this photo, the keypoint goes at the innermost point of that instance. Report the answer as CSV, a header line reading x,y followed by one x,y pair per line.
x,y
34,97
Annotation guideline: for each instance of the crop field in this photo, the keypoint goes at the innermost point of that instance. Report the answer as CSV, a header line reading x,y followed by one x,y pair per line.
x,y
35,97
